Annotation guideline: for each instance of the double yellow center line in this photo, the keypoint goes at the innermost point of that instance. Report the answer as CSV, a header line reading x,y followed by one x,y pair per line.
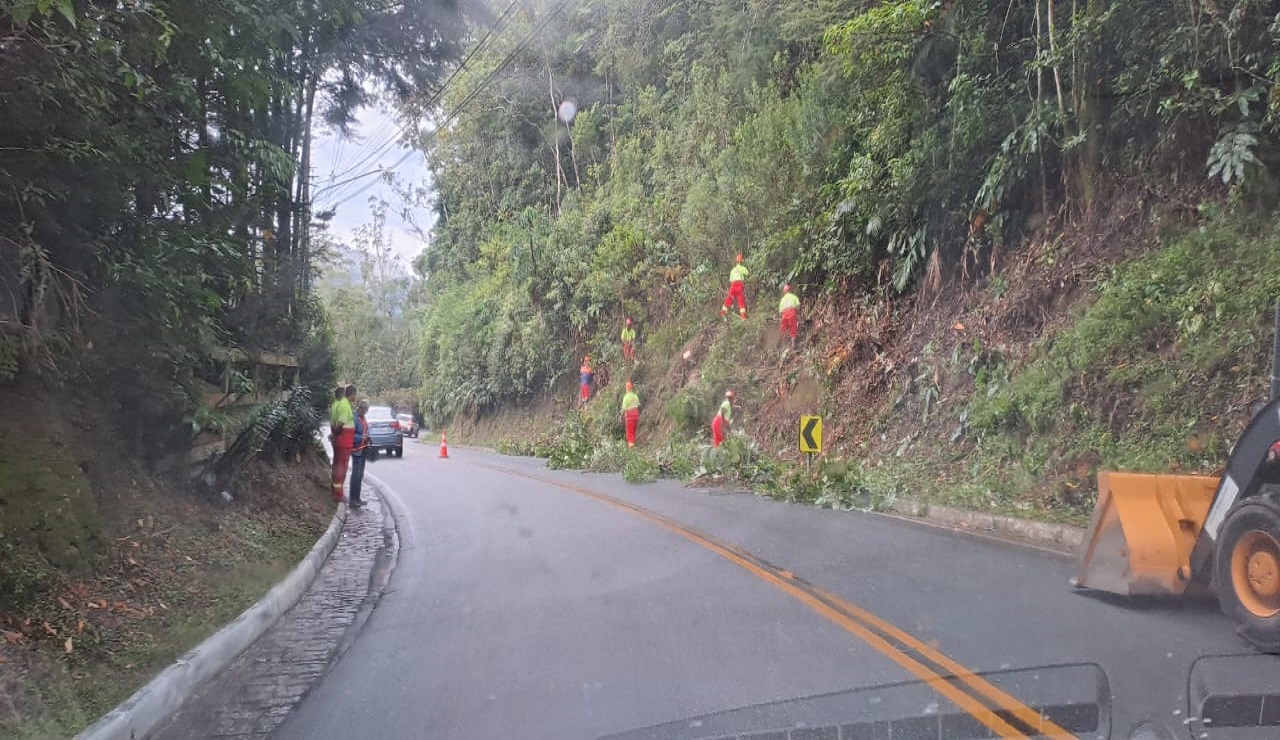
x,y
985,702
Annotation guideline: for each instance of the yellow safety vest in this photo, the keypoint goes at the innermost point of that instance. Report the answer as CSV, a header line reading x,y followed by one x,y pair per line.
x,y
341,414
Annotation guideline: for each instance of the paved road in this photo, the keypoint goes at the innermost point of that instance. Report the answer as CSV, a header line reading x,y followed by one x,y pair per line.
x,y
538,604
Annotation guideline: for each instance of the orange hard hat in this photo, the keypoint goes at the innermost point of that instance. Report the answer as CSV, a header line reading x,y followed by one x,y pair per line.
x,y
739,256
628,322
629,386
786,288
728,394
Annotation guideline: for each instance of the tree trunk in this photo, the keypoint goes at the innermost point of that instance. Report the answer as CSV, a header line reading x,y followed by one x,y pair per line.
x,y
1089,158
202,141
1044,185
277,245
302,277
1057,76
555,122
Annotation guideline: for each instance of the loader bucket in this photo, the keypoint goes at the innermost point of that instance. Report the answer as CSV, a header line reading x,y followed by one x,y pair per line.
x,y
1142,532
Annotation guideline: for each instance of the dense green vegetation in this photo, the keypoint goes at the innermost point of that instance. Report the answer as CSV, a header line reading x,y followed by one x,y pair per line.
x,y
859,149
154,203
373,306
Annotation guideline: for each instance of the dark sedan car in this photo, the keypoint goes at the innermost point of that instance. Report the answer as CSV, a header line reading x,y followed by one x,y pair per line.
x,y
384,431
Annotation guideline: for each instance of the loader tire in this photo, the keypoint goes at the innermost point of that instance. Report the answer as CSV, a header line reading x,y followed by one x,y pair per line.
x,y
1247,571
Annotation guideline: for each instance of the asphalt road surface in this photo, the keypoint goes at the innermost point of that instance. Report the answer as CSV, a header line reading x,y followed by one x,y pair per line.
x,y
529,603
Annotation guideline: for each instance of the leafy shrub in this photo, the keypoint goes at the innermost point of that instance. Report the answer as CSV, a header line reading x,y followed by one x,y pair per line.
x,y
528,447
740,459
639,468
574,446
845,487
280,429
611,457
678,460
690,409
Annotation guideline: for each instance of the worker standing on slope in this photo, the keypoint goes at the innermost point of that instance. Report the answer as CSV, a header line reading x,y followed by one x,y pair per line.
x,y
630,413
737,289
723,420
628,342
343,425
788,321
586,374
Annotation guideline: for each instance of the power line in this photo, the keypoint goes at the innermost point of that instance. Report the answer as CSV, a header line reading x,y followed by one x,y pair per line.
x,y
380,149
474,50
488,79
340,168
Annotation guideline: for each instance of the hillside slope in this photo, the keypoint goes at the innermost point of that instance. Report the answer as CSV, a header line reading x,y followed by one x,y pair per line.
x,y
1030,242
1138,339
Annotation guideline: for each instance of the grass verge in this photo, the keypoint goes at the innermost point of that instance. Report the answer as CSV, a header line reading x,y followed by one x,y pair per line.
x,y
173,568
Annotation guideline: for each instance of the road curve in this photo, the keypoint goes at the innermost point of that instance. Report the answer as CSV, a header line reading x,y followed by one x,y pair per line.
x,y
541,604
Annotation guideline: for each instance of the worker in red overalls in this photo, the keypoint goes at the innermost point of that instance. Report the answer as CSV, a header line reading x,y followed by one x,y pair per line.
x,y
342,423
631,413
723,420
585,375
737,289
788,320
628,342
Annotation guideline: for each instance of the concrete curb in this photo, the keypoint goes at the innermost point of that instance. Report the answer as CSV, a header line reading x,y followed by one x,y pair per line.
x,y
136,717
1062,537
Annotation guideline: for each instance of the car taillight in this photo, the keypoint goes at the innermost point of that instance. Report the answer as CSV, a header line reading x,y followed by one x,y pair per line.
x,y
395,425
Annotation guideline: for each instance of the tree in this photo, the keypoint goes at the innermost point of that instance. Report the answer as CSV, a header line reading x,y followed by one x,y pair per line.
x,y
368,296
154,183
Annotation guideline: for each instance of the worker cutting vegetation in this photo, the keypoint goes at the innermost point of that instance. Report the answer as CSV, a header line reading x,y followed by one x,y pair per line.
x,y
788,319
723,420
737,289
630,413
586,375
628,342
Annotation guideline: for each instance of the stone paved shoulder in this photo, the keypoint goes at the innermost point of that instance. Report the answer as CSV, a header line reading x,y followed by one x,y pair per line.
x,y
255,694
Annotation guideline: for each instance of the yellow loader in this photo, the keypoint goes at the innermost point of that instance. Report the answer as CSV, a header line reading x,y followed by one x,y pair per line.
x,y
1166,534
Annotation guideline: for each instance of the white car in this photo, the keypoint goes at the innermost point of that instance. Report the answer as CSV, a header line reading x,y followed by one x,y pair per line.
x,y
408,426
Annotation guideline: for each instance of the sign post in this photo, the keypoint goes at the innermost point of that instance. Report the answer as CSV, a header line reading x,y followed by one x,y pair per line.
x,y
810,437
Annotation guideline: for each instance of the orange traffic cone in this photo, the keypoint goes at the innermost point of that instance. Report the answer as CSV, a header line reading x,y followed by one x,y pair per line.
x,y
444,446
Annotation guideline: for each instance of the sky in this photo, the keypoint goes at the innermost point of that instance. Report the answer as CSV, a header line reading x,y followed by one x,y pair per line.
x,y
369,149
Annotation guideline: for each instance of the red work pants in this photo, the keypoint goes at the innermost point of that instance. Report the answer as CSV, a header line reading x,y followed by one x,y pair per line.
x,y
631,417
789,323
736,292
586,393
717,431
629,351
342,443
